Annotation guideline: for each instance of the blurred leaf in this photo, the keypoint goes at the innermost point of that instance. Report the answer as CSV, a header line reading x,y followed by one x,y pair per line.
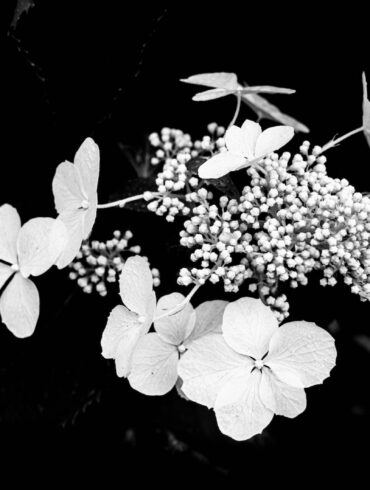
x,y
363,341
366,110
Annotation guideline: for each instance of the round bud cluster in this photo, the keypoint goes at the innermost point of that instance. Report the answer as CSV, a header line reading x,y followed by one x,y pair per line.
x,y
100,263
168,143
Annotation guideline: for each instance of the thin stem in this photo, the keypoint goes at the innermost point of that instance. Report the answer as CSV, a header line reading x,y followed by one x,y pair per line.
x,y
334,143
181,305
121,202
237,109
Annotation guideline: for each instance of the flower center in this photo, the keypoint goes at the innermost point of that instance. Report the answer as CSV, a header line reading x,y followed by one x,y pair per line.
x,y
84,204
181,348
15,267
141,319
258,363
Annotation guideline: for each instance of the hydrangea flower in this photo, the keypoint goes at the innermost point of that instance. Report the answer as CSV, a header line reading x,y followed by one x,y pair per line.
x,y
76,199
155,359
255,368
245,146
224,83
26,251
127,324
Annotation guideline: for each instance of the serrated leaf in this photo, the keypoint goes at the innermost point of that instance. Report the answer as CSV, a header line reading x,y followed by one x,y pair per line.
x,y
366,110
265,109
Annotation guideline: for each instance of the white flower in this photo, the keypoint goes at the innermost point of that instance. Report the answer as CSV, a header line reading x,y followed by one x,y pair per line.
x,y
127,324
75,195
224,83
255,369
28,250
155,359
245,146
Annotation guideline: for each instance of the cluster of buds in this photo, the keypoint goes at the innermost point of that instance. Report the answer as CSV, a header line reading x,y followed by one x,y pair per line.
x,y
100,263
174,149
292,218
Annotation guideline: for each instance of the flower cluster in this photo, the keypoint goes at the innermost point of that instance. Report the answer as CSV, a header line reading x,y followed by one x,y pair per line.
x,y
100,263
290,220
174,149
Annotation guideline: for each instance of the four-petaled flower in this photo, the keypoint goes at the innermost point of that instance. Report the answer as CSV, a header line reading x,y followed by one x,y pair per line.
x,y
225,83
26,251
75,194
255,368
245,146
127,324
156,356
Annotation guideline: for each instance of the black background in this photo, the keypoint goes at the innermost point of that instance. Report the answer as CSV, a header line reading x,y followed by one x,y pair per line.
x,y
101,69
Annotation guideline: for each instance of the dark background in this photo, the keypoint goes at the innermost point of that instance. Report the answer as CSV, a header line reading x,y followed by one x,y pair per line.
x,y
77,69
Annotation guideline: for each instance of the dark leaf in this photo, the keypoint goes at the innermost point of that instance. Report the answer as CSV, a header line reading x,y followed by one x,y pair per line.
x,y
22,7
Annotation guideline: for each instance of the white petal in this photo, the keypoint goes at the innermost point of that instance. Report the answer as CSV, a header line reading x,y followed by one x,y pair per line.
x,y
207,366
281,398
248,326
219,80
10,224
5,272
236,142
251,132
365,110
239,409
40,242
90,216
20,306
154,366
119,321
67,191
272,139
220,165
136,286
74,222
87,162
215,93
174,329
208,319
301,354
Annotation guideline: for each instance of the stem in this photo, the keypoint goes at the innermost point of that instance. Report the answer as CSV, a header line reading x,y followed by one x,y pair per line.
x,y
181,305
334,143
237,109
122,202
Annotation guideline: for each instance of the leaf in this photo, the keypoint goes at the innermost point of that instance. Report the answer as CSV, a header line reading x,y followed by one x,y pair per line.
x,y
239,409
215,93
206,366
22,7
218,80
136,286
248,326
209,317
265,109
10,224
154,366
174,329
366,110
19,306
301,354
40,242
267,89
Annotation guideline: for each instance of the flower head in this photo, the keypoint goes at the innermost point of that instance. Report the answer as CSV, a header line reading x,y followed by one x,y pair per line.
x,y
29,250
75,195
245,146
255,368
127,324
156,357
